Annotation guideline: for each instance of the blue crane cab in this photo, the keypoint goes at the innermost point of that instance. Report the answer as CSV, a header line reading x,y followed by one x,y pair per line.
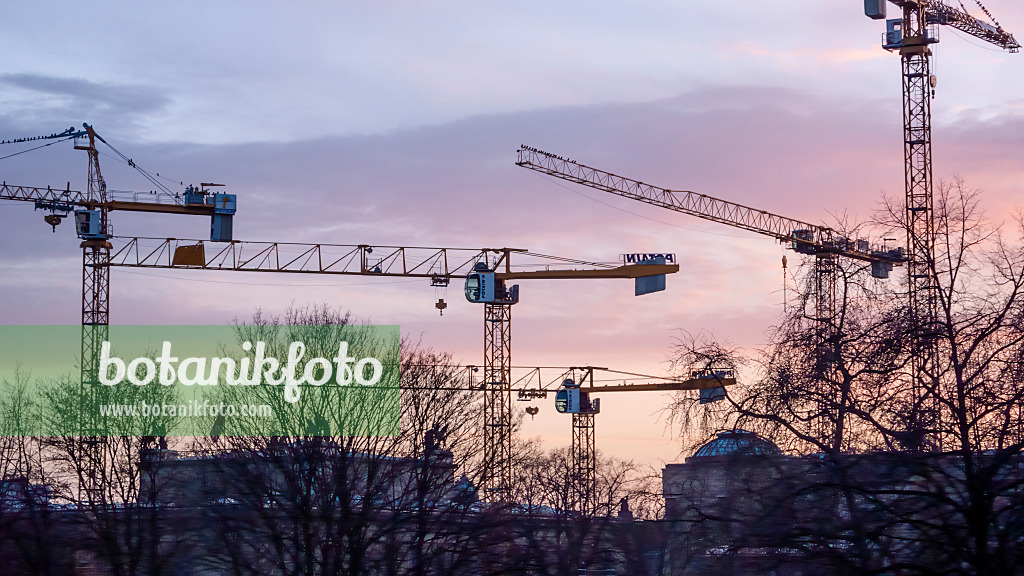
x,y
571,400
483,288
89,224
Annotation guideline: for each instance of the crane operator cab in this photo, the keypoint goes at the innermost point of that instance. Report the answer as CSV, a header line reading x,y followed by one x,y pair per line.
x,y
89,224
483,288
571,400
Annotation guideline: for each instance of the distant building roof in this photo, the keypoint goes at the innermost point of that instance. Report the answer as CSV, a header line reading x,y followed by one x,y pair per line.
x,y
737,443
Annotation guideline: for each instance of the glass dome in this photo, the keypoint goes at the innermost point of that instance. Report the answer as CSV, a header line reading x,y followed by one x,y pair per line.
x,y
738,443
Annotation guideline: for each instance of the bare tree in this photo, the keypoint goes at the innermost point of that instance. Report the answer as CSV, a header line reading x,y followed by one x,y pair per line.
x,y
27,519
917,474
550,537
101,475
334,501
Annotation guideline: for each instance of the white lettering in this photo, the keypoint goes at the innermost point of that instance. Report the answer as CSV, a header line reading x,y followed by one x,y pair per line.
x,y
343,373
291,384
165,360
133,371
343,369
106,361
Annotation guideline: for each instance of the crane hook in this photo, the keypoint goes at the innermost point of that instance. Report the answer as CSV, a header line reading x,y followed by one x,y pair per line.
x,y
53,220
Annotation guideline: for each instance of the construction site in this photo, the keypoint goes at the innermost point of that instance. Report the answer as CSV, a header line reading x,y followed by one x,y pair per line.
x,y
759,327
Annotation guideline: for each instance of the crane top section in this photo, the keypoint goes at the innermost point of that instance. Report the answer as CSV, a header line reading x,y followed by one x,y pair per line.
x,y
937,13
802,236
91,207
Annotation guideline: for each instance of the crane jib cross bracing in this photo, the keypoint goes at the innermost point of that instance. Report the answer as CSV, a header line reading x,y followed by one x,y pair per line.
x,y
803,237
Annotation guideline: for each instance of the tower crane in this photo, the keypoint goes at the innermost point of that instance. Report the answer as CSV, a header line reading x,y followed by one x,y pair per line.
x,y
822,242
487,273
91,210
911,36
573,387
574,397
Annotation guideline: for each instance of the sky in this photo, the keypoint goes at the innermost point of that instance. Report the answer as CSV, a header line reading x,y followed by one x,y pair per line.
x,y
392,123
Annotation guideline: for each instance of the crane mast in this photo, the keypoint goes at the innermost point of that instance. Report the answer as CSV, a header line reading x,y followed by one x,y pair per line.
x,y
95,275
498,398
95,315
911,36
915,56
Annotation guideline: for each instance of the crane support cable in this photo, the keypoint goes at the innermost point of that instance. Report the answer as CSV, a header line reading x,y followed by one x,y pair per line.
x,y
138,168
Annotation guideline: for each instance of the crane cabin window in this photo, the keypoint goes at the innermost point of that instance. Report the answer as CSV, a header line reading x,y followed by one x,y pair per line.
x,y
562,401
473,288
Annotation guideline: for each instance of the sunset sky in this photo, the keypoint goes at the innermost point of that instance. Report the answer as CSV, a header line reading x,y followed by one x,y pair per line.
x,y
394,123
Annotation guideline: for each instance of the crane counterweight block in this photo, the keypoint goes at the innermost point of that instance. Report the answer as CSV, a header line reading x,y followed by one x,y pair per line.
x,y
194,255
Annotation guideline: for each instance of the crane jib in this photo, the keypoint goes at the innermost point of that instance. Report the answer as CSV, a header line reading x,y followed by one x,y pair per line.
x,y
801,236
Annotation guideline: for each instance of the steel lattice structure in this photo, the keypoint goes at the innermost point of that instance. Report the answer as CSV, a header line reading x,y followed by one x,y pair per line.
x,y
920,221
497,389
584,464
911,35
